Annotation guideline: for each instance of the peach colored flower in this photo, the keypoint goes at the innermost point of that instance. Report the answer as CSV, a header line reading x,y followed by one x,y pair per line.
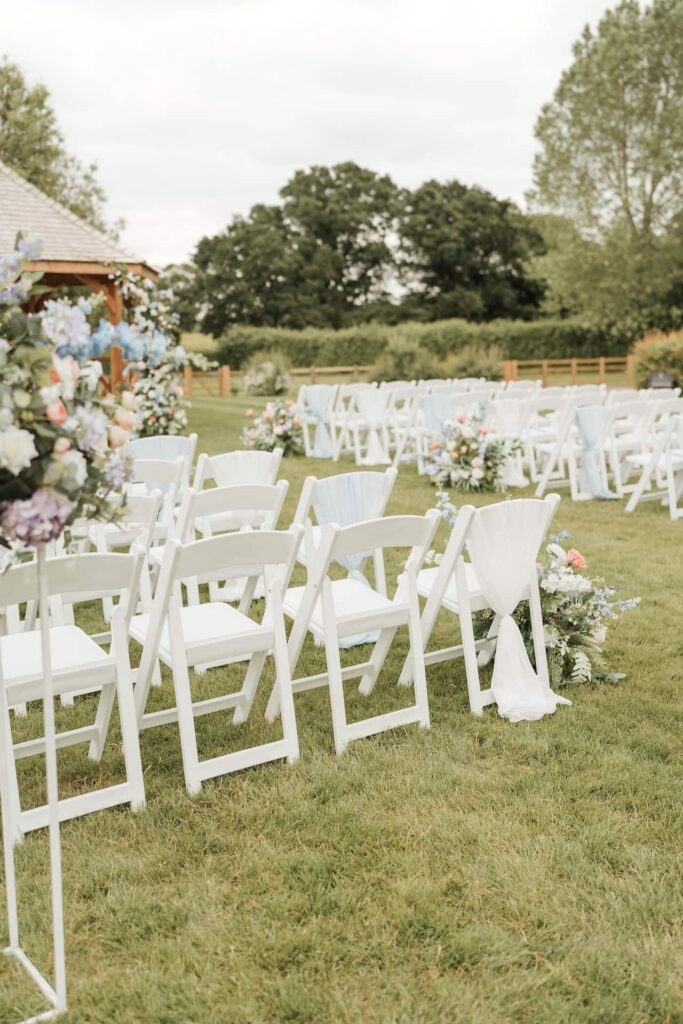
x,y
56,412
61,445
463,449
461,419
125,419
433,446
117,436
249,412
576,559
484,430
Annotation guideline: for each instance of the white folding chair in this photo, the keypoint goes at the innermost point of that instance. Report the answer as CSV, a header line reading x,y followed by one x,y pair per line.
x,y
345,499
401,417
343,407
79,666
523,387
316,404
161,475
237,507
661,476
503,541
182,637
334,609
168,448
367,422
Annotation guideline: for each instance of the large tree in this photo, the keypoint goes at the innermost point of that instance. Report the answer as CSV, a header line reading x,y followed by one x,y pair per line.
x,y
467,253
611,163
324,253
255,272
32,144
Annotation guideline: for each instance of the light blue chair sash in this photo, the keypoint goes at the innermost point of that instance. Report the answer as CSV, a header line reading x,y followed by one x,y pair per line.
x,y
590,422
347,499
165,447
318,399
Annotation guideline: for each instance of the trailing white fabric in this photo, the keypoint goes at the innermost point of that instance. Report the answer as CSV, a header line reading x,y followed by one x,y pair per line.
x,y
318,399
503,543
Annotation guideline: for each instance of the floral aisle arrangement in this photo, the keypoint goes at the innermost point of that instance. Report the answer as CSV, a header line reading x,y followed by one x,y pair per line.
x,y
577,610
468,457
61,438
278,426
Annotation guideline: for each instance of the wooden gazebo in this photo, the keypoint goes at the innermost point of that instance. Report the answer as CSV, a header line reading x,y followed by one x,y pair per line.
x,y
73,252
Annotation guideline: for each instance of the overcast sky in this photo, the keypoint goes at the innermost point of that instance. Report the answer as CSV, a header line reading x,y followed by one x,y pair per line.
x,y
196,110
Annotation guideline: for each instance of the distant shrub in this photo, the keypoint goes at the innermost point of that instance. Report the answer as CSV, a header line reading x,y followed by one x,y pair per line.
x,y
267,373
403,359
659,353
362,344
476,360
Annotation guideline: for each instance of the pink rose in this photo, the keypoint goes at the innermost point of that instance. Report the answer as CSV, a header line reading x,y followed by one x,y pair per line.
x,y
249,412
433,446
483,430
117,436
461,419
56,412
61,445
576,559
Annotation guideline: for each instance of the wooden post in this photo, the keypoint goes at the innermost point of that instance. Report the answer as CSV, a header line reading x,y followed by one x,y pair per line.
x,y
630,371
572,366
601,370
115,367
187,381
224,381
544,372
313,375
510,369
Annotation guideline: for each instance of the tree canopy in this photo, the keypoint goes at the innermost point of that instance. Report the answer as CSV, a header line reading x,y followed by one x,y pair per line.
x,y
347,243
32,144
611,165
468,252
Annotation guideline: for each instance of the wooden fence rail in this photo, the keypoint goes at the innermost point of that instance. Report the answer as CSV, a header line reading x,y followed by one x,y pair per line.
x,y
219,383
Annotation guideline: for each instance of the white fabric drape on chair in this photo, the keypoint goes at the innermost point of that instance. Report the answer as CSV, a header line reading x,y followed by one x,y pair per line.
x,y
318,401
591,421
165,446
346,500
503,544
508,422
372,405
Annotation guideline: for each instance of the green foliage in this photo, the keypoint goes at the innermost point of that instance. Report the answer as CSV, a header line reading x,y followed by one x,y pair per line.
x,y
475,360
469,251
611,165
364,344
267,373
659,352
404,359
32,144
343,238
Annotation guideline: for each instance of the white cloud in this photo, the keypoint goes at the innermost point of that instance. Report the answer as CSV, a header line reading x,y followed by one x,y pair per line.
x,y
195,111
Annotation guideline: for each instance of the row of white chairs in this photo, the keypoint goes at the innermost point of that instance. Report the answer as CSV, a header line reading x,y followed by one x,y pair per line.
x,y
153,596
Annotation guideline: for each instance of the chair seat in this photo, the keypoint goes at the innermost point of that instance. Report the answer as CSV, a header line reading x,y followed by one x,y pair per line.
x,y
212,625
72,653
425,582
354,605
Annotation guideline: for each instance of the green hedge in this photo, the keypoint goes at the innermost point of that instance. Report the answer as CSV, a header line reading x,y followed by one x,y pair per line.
x,y
362,345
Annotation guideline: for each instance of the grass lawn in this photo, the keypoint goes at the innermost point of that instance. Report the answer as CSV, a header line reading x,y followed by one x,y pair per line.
x,y
479,872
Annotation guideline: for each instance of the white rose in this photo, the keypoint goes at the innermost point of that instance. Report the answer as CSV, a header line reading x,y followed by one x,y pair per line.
x,y
17,448
68,371
75,470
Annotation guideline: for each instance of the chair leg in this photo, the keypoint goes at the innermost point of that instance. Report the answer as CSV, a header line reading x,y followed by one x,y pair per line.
x,y
188,736
249,687
468,642
102,719
417,656
130,740
283,682
334,670
379,654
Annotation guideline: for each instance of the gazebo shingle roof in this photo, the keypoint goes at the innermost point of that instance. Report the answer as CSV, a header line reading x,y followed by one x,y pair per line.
x,y
64,236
